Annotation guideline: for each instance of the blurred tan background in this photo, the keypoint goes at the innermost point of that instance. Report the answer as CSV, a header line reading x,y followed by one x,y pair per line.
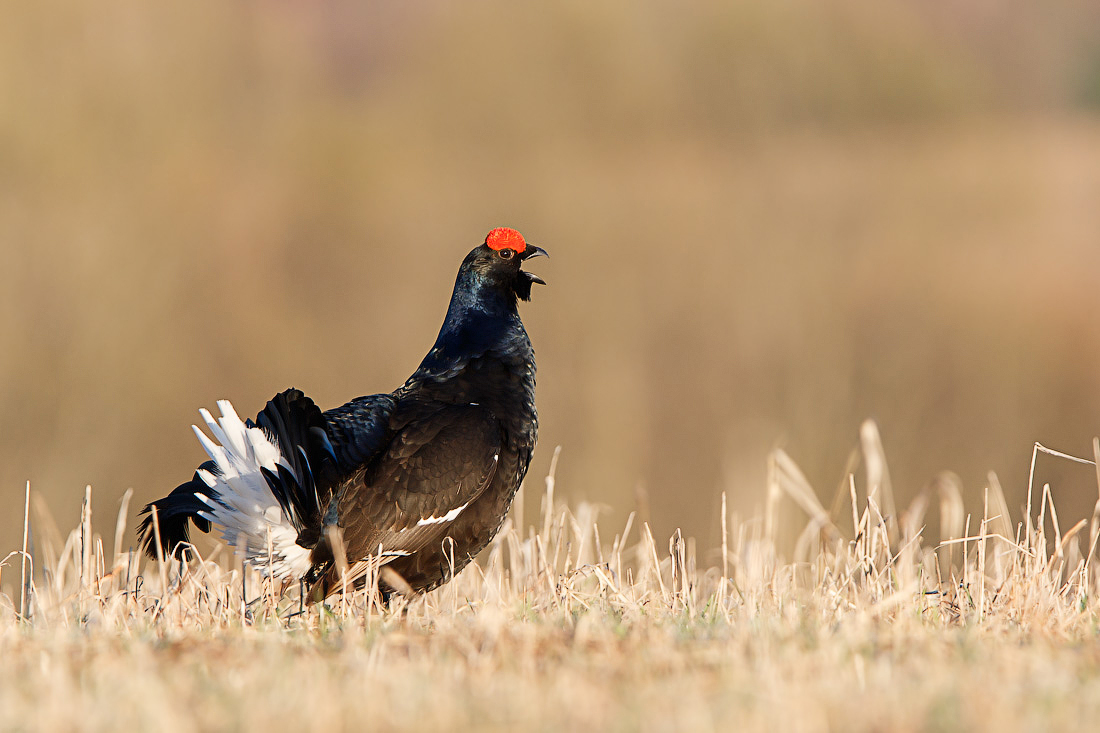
x,y
767,220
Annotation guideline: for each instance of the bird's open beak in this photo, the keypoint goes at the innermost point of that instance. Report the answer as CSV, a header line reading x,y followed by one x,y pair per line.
x,y
533,251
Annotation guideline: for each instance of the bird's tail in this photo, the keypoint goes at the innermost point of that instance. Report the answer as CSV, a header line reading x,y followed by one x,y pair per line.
x,y
257,487
168,520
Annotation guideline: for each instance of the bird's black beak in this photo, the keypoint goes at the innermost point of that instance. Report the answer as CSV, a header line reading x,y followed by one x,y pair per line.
x,y
528,253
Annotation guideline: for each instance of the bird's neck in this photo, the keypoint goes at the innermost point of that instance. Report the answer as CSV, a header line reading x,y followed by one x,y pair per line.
x,y
475,297
483,356
482,322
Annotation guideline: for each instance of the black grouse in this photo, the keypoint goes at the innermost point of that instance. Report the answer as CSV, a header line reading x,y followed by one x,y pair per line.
x,y
418,480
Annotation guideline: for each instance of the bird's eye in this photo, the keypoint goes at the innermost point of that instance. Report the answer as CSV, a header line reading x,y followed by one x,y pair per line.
x,y
506,254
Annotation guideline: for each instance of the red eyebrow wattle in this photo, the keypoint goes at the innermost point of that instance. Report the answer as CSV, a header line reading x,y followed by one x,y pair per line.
x,y
505,238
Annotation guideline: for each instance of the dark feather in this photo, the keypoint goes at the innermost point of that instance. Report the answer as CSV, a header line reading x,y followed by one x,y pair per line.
x,y
173,514
357,430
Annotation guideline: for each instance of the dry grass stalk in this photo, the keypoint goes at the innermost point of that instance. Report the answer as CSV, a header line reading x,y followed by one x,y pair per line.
x,y
554,603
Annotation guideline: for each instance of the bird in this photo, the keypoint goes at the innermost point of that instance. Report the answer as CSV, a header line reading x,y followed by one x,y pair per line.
x,y
413,483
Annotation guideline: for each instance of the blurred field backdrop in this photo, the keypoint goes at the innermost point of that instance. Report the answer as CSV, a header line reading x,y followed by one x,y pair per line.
x,y
767,220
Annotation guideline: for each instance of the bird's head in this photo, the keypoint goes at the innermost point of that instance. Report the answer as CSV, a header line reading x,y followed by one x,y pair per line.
x,y
497,261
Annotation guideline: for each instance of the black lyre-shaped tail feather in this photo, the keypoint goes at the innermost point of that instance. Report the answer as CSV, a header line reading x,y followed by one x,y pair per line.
x,y
298,426
173,515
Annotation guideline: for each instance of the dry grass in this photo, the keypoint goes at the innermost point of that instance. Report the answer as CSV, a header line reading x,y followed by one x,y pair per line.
x,y
571,623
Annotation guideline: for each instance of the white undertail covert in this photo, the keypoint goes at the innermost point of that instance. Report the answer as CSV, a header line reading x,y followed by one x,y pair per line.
x,y
248,515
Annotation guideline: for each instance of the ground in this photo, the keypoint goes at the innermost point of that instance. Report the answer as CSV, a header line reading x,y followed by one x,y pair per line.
x,y
562,627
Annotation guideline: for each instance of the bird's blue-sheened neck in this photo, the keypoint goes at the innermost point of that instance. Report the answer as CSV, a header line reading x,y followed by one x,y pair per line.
x,y
481,317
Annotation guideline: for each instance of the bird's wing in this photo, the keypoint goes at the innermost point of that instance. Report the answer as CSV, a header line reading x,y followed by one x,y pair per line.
x,y
320,450
358,430
441,458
